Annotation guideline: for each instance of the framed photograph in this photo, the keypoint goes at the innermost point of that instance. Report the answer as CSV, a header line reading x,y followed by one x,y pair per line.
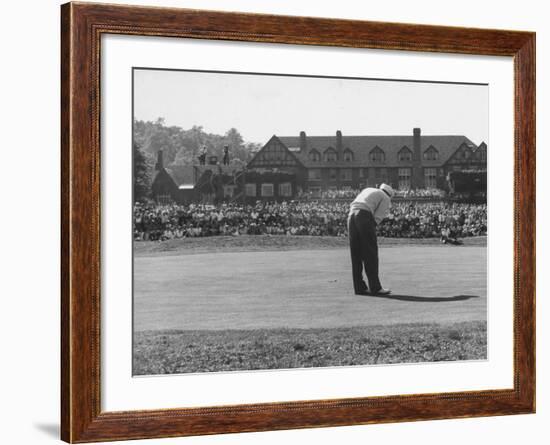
x,y
274,222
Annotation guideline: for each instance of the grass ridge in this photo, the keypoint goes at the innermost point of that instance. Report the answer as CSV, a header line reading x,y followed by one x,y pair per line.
x,y
177,351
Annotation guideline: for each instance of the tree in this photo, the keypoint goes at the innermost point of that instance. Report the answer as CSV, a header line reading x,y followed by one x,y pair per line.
x,y
181,147
233,138
184,156
142,178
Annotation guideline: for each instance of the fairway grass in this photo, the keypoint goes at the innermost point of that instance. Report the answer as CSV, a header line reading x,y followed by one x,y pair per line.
x,y
179,351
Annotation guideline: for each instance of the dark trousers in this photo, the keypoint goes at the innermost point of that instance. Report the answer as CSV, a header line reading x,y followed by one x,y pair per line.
x,y
364,250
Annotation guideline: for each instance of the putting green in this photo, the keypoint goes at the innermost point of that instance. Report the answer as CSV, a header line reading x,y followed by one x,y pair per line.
x,y
307,289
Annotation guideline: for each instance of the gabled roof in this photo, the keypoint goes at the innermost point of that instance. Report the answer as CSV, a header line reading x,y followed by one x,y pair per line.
x,y
162,175
182,174
362,145
162,179
293,152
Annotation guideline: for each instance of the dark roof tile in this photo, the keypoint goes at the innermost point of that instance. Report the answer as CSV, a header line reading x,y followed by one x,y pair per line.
x,y
362,145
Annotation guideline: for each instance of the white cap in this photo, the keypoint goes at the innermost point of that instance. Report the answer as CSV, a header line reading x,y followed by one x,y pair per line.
x,y
387,188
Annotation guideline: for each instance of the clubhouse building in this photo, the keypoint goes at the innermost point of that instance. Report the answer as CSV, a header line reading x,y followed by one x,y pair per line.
x,y
322,163
289,166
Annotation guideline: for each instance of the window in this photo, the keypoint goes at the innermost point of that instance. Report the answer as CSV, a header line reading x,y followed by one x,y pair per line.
x,y
267,190
430,178
404,175
362,172
345,174
431,154
228,191
314,156
380,175
250,189
330,155
314,174
285,189
315,191
405,155
332,174
164,199
377,156
348,155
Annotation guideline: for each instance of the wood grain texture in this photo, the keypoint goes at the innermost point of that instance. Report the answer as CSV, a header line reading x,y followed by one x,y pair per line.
x,y
81,28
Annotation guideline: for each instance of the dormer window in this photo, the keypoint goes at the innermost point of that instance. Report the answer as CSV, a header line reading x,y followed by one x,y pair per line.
x,y
314,155
331,155
431,154
377,155
348,155
405,155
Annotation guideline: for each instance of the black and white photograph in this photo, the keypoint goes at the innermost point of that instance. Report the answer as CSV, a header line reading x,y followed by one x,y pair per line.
x,y
288,221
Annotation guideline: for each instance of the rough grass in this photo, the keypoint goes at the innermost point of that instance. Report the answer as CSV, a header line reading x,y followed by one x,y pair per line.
x,y
253,243
174,352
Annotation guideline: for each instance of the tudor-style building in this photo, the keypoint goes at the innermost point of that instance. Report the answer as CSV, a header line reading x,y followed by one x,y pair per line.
x,y
318,163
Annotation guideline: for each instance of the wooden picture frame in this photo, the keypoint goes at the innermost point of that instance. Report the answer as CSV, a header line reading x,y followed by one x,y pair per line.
x,y
82,25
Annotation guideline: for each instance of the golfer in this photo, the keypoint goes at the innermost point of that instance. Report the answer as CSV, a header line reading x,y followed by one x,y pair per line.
x,y
366,211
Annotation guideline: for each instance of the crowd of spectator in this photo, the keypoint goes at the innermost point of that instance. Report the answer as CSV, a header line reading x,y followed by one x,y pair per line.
x,y
420,193
352,193
433,219
339,194
406,219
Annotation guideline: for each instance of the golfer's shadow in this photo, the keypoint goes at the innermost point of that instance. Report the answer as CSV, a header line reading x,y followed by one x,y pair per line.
x,y
427,299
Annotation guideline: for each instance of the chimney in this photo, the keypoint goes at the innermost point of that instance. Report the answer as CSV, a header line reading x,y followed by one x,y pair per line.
x,y
339,146
417,176
303,141
160,162
416,145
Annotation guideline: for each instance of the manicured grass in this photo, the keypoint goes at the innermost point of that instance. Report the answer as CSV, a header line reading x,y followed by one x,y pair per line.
x,y
220,304
180,351
307,289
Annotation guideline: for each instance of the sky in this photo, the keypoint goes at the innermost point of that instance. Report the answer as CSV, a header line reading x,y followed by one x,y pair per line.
x,y
259,106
